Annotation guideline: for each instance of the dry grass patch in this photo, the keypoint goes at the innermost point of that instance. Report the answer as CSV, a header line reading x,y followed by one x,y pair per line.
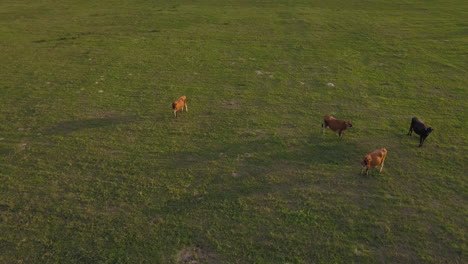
x,y
231,104
194,255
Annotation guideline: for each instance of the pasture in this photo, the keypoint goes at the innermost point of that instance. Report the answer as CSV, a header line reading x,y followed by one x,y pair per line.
x,y
94,168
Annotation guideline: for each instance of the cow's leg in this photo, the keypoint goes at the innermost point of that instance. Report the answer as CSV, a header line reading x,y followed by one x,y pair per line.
x,y
421,141
175,113
362,170
186,108
383,162
410,132
340,133
367,171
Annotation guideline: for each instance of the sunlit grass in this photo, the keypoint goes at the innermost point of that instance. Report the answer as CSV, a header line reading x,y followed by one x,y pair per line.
x,y
95,169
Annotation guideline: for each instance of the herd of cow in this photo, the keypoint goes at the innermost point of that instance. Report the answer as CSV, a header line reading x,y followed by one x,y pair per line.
x,y
373,159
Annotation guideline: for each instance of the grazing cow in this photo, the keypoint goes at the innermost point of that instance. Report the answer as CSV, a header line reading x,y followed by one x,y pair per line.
x,y
374,159
421,129
336,125
179,104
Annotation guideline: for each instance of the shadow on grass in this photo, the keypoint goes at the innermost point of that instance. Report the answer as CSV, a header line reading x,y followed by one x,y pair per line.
x,y
269,151
250,162
324,149
71,126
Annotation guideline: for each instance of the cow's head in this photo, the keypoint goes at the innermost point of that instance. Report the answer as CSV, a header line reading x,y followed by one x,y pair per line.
x,y
349,124
366,161
429,130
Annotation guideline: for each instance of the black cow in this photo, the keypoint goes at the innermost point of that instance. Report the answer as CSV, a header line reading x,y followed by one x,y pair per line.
x,y
421,129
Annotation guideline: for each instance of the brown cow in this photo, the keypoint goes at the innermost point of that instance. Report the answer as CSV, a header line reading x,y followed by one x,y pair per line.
x,y
336,125
374,159
179,104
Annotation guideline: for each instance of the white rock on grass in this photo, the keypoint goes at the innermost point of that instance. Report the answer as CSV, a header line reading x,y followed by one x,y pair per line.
x,y
330,85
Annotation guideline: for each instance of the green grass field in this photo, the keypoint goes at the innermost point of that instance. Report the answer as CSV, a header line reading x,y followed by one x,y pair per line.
x,y
94,168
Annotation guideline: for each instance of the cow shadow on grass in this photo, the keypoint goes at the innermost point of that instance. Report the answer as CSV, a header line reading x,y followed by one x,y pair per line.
x,y
70,126
262,166
326,149
267,151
